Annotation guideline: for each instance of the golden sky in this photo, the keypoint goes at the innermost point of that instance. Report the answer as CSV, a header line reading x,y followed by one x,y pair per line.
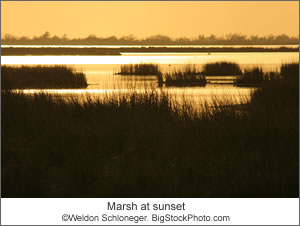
x,y
143,19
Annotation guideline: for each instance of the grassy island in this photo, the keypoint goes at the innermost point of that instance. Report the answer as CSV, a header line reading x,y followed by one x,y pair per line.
x,y
190,75
139,69
41,77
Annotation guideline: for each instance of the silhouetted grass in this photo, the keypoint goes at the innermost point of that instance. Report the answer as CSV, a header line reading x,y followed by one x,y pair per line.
x,y
221,68
275,105
290,70
146,145
139,69
41,77
279,94
190,75
254,76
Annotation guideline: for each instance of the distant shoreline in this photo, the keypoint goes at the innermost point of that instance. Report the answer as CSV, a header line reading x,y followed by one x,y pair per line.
x,y
58,51
90,51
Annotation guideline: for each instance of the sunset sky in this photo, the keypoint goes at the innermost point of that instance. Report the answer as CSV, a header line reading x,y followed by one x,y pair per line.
x,y
143,19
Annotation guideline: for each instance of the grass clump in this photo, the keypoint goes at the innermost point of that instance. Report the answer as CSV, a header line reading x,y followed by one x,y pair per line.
x,y
190,75
139,69
290,70
41,77
253,76
221,68
256,76
280,94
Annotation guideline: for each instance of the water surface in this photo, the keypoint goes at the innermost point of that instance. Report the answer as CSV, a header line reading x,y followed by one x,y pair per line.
x,y
102,80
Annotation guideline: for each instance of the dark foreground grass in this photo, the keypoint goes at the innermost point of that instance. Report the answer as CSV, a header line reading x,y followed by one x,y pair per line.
x,y
139,69
255,76
144,145
190,75
41,77
289,70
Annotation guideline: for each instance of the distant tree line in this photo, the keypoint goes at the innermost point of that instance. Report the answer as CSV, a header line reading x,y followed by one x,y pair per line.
x,y
229,39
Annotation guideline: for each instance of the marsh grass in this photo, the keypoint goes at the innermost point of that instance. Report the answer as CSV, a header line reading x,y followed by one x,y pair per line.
x,y
41,77
222,68
189,75
254,76
290,70
280,93
257,77
139,69
192,75
147,145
